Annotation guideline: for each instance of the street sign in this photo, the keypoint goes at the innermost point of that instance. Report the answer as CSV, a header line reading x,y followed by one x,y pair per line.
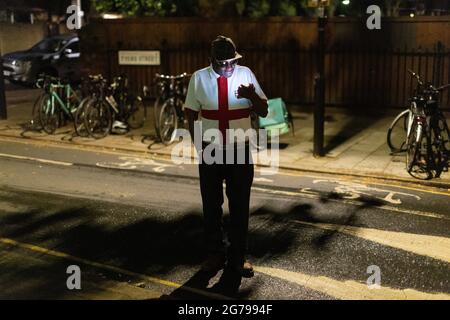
x,y
140,58
318,3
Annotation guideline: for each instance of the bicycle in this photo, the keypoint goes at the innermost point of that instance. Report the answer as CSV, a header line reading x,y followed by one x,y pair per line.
x,y
399,128
162,94
172,90
127,107
113,104
59,102
397,132
89,88
43,82
427,133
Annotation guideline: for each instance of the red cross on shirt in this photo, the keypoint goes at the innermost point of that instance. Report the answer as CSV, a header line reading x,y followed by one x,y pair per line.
x,y
223,114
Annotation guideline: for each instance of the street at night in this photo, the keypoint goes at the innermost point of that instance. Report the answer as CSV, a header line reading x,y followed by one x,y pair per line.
x,y
225,158
133,225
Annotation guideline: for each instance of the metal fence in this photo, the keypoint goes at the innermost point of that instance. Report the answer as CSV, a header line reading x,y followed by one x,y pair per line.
x,y
379,78
356,77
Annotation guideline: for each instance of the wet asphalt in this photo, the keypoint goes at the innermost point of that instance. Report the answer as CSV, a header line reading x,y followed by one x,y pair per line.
x,y
142,214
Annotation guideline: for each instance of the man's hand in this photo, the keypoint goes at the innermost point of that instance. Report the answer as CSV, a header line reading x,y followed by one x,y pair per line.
x,y
246,92
258,105
191,117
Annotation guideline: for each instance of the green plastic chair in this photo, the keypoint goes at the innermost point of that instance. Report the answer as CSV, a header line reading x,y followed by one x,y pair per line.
x,y
278,120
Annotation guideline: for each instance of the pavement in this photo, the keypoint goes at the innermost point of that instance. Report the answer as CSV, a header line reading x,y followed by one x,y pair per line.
x,y
355,144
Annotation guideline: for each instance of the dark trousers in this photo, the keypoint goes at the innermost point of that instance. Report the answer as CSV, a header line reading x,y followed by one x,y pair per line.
x,y
238,179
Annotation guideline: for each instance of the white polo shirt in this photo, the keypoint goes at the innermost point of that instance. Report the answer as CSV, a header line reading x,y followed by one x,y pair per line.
x,y
203,94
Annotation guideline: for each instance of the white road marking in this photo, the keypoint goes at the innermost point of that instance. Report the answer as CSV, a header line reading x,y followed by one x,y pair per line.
x,y
59,163
430,246
344,177
131,163
349,289
314,195
352,190
260,179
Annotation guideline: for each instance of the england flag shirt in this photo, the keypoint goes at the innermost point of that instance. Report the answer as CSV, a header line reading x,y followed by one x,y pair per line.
x,y
215,97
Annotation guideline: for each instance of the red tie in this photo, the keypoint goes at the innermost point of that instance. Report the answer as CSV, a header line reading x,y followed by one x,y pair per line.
x,y
222,85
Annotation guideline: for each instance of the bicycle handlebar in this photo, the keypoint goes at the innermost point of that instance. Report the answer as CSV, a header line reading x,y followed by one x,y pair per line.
x,y
415,75
443,87
430,85
43,79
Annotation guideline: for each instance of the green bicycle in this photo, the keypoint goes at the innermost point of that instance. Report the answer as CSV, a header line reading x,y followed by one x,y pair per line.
x,y
59,102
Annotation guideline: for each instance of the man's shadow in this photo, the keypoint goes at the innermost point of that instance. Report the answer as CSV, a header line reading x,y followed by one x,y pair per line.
x,y
196,288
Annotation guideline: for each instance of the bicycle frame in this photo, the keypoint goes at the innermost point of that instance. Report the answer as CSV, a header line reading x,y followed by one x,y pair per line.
x,y
424,114
116,95
171,94
410,122
55,98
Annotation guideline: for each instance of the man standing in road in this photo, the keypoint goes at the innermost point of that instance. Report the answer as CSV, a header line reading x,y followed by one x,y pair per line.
x,y
224,94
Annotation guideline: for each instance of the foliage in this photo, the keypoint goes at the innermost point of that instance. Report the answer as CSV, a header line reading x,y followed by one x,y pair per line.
x,y
258,8
132,8
236,8
287,8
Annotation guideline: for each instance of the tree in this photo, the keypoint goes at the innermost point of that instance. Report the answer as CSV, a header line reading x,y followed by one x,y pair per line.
x,y
236,8
251,8
139,8
258,8
285,8
392,7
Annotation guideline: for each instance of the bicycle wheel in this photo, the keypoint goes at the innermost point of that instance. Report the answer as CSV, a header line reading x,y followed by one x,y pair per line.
x,y
417,156
98,119
397,132
49,115
439,155
445,132
168,123
440,144
137,113
156,113
79,119
35,122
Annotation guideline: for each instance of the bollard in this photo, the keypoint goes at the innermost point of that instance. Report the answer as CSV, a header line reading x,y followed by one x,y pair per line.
x,y
319,110
3,114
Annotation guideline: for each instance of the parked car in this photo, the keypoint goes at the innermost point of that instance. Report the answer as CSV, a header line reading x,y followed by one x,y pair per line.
x,y
56,56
